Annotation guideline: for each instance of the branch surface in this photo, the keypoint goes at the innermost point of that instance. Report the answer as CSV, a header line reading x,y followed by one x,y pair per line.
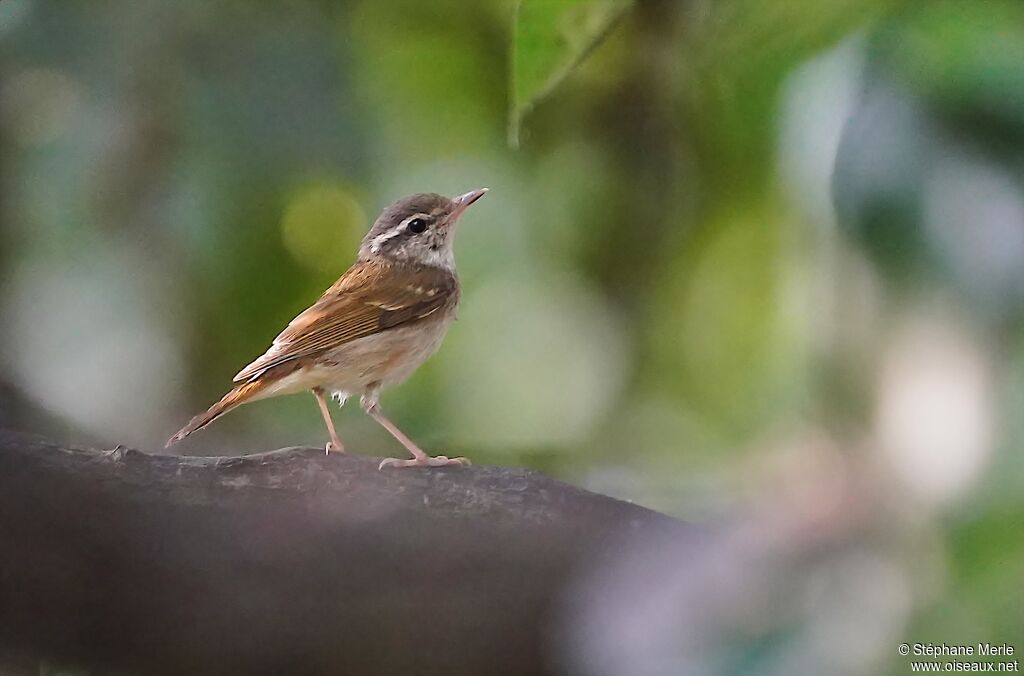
x,y
291,562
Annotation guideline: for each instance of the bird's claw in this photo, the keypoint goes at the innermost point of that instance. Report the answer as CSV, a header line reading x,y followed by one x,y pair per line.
x,y
332,447
437,461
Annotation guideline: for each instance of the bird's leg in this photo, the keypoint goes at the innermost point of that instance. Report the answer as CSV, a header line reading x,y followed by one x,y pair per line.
x,y
335,443
420,458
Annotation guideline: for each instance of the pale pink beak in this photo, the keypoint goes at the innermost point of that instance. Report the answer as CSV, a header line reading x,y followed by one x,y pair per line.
x,y
462,202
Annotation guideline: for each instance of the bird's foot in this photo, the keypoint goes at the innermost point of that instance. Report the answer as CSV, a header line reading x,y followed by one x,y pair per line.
x,y
332,447
425,461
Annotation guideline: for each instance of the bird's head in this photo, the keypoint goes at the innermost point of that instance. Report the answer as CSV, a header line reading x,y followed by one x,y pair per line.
x,y
418,229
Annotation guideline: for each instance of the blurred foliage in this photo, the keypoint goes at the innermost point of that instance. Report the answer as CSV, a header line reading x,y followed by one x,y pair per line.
x,y
551,37
746,255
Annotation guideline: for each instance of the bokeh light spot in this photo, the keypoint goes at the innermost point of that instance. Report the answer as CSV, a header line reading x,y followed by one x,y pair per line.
x,y
935,418
322,226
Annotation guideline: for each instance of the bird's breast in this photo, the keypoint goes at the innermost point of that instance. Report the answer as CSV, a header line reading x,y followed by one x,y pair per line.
x,y
388,357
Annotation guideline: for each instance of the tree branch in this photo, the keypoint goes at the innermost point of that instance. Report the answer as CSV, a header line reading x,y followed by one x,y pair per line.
x,y
290,562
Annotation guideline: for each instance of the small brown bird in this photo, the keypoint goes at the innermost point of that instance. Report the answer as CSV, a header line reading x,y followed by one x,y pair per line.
x,y
372,328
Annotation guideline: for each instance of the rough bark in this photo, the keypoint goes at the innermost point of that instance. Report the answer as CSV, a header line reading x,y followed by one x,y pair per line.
x,y
290,562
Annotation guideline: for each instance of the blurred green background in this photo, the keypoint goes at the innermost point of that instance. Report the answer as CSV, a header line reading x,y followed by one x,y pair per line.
x,y
760,262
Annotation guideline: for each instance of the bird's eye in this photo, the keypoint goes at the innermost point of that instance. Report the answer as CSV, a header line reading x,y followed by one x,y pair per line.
x,y
417,225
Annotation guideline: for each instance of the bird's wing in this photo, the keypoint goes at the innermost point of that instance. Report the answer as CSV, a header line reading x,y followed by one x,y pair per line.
x,y
368,299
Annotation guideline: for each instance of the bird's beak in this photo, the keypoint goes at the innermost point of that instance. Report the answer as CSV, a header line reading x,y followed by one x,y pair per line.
x,y
462,202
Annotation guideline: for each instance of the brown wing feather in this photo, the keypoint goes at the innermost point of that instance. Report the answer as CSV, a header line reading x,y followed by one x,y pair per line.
x,y
369,298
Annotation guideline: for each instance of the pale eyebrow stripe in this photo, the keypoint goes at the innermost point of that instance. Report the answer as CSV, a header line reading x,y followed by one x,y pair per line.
x,y
383,237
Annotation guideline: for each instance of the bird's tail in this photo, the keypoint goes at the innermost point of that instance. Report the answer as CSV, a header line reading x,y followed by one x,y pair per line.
x,y
229,401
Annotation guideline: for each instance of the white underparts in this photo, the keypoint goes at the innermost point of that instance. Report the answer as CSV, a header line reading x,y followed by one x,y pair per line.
x,y
440,258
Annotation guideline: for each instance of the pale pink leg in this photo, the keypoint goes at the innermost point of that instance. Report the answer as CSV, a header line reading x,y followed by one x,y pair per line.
x,y
334,444
420,458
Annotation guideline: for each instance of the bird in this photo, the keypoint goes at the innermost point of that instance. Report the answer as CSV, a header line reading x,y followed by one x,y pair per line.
x,y
372,328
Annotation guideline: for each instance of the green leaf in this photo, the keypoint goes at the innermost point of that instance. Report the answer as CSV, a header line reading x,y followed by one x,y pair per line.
x,y
552,37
